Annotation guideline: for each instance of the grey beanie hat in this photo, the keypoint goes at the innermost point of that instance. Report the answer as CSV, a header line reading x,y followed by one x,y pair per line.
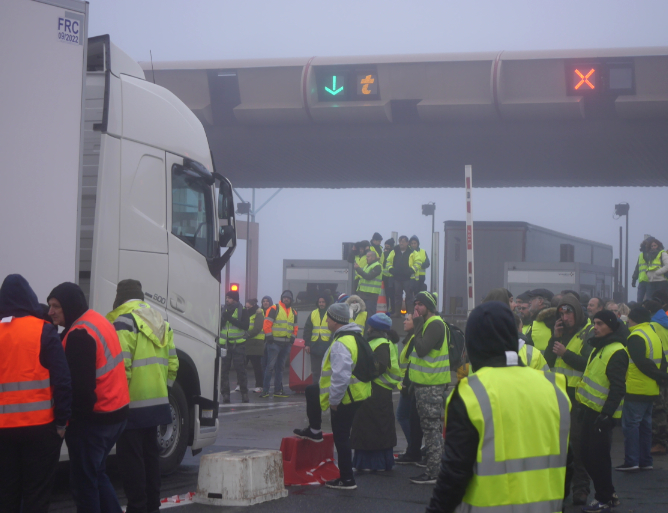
x,y
339,312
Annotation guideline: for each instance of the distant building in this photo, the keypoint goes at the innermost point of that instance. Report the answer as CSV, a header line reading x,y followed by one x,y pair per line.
x,y
520,256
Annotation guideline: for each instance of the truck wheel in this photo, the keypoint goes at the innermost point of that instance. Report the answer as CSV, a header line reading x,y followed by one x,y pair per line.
x,y
173,438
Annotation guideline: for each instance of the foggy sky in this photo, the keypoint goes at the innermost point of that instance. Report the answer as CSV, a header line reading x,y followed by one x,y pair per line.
x,y
312,223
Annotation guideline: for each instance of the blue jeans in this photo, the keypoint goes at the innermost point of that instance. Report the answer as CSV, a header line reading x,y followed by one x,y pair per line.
x,y
655,286
642,288
404,414
88,445
637,428
276,354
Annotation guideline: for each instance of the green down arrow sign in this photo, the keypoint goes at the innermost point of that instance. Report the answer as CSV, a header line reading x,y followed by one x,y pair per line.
x,y
334,91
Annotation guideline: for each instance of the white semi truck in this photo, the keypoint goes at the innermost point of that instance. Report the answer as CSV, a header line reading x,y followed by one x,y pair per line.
x,y
106,176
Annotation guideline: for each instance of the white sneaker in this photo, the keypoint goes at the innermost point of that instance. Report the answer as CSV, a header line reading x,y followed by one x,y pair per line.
x,y
257,390
238,389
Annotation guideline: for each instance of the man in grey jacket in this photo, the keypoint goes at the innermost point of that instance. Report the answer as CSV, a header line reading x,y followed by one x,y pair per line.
x,y
339,391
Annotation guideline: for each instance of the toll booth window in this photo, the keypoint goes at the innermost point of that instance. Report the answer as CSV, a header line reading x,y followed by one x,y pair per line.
x,y
192,212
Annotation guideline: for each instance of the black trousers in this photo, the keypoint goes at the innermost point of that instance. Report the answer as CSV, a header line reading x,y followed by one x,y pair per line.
x,y
596,447
139,464
256,361
342,423
28,461
415,442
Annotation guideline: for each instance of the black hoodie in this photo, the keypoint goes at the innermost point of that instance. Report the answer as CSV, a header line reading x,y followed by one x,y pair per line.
x,y
81,355
17,299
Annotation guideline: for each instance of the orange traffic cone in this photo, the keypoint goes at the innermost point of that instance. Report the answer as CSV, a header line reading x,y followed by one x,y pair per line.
x,y
381,306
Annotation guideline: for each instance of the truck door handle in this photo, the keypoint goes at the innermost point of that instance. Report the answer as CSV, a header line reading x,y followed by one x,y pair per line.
x,y
177,304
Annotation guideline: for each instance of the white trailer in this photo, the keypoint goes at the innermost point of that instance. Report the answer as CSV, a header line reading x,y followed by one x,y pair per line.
x,y
106,176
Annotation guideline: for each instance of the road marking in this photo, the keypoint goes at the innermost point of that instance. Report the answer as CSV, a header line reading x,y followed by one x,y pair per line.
x,y
256,410
256,405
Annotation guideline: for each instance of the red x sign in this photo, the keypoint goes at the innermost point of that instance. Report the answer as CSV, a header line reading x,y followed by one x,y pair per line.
x,y
584,79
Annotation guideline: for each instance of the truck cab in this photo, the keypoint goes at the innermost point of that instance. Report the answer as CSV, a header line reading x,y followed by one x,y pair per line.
x,y
149,212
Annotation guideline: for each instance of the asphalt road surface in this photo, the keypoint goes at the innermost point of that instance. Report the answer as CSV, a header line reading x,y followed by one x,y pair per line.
x,y
264,422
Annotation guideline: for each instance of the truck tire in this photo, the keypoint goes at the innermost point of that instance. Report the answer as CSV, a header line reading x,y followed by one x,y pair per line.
x,y
173,438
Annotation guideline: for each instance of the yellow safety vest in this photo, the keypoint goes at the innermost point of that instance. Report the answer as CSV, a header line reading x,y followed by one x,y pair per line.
x,y
532,357
259,336
433,369
663,336
358,389
371,286
320,329
419,257
360,320
655,264
594,387
387,264
540,334
636,382
284,325
404,360
230,333
515,469
575,345
393,374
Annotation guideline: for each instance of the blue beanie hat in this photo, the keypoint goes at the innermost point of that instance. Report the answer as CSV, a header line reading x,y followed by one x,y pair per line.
x,y
380,321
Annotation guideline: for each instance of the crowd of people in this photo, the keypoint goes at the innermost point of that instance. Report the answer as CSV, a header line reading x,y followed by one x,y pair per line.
x,y
544,381
102,381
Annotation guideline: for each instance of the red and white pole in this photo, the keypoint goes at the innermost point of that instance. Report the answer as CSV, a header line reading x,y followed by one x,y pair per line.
x,y
470,283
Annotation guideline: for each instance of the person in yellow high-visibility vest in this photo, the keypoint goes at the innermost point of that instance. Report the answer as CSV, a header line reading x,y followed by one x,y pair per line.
x,y
660,409
374,435
429,372
600,396
491,462
388,282
339,391
647,369
317,336
370,280
567,355
233,325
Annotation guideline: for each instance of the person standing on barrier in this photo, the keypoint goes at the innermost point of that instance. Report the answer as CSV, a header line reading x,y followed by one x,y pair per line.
x,y
280,330
35,400
388,282
100,397
567,355
151,365
600,396
486,448
316,336
370,280
429,372
339,391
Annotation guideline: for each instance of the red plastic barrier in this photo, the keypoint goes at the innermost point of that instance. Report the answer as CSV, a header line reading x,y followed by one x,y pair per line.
x,y
300,367
306,462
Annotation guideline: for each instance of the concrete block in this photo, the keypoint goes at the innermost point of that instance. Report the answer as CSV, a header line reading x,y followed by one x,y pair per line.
x,y
240,478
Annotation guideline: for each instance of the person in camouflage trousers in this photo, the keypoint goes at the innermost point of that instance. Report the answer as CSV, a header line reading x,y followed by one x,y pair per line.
x,y
429,372
431,407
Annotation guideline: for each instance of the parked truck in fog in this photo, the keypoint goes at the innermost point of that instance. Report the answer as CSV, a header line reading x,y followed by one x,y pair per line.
x,y
107,176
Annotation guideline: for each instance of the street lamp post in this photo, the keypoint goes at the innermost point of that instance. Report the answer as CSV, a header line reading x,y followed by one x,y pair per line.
x,y
622,209
429,209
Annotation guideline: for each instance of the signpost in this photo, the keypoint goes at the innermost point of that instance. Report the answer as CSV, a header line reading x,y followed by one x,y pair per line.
x,y
469,241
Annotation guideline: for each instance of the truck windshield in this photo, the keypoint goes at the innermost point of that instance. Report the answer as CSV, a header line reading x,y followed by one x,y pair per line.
x,y
192,211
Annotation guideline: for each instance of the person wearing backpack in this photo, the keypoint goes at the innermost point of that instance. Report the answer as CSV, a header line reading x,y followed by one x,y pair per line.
x,y
429,372
340,390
